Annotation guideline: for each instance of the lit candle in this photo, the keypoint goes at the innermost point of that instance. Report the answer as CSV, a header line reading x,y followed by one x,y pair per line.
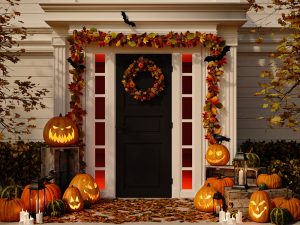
x,y
22,215
241,177
39,217
239,217
227,216
31,221
221,216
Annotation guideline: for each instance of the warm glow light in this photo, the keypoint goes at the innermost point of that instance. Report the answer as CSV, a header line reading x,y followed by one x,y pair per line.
x,y
61,138
256,211
74,204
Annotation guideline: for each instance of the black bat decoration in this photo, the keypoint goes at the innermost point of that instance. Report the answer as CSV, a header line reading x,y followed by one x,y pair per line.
x,y
218,57
126,20
220,138
75,65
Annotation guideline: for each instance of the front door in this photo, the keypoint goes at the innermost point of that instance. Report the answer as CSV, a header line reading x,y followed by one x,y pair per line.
x,y
143,133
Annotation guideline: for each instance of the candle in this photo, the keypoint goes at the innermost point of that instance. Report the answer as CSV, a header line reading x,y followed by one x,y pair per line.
x,y
233,221
224,222
227,216
31,221
217,209
229,221
221,216
39,217
239,217
241,177
22,215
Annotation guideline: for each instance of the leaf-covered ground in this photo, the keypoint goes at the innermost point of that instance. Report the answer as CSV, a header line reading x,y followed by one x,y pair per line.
x,y
137,210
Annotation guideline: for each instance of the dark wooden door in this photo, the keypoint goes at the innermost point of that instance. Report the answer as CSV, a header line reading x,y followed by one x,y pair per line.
x,y
143,133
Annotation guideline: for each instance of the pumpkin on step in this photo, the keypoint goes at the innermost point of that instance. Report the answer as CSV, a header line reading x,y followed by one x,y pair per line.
x,y
291,204
219,183
73,199
87,186
204,198
217,155
56,208
10,209
280,216
271,180
259,206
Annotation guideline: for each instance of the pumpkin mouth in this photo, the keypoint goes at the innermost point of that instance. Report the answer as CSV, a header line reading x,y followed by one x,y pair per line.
x,y
74,206
61,138
258,215
91,196
257,209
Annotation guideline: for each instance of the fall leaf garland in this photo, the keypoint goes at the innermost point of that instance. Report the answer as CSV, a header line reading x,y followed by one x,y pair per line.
x,y
81,38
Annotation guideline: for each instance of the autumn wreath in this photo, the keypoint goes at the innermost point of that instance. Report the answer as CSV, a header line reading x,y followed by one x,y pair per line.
x,y
143,65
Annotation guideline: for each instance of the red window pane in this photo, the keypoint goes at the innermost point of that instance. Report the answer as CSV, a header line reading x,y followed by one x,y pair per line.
x,y
100,85
100,157
100,178
187,108
187,63
100,133
187,157
187,85
187,133
99,108
100,63
187,182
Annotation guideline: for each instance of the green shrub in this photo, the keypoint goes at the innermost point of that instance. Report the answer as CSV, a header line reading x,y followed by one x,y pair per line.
x,y
280,157
19,162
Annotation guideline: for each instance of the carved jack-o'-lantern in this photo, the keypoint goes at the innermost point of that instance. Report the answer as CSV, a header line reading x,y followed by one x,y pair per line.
x,y
204,198
60,131
260,206
217,155
73,199
87,186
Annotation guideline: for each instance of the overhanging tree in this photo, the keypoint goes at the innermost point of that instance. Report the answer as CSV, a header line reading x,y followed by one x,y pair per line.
x,y
24,94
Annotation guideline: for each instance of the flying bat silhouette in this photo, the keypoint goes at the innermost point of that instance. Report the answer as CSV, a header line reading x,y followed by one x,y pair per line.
x,y
220,138
76,65
218,57
126,20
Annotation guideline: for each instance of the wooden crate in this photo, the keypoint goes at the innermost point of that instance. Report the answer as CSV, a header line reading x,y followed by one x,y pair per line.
x,y
239,199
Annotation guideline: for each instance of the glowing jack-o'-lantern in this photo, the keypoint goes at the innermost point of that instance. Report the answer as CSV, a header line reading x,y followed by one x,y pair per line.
x,y
204,198
217,155
73,199
60,131
87,186
260,206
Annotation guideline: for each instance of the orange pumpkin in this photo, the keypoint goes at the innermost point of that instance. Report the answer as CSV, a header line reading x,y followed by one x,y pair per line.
x,y
272,181
291,204
52,192
87,186
217,155
10,209
73,199
60,131
219,183
260,206
204,198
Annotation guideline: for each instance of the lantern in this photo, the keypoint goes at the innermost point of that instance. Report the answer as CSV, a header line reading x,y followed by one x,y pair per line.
x,y
35,188
218,203
240,171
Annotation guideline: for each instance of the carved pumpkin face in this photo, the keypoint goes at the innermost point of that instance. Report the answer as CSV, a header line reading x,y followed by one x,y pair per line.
x,y
60,131
217,155
259,206
73,199
204,198
87,186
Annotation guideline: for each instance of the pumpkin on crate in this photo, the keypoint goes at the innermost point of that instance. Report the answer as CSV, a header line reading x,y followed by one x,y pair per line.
x,y
291,204
219,183
73,199
87,186
271,180
260,206
280,216
204,198
56,208
217,155
52,192
60,131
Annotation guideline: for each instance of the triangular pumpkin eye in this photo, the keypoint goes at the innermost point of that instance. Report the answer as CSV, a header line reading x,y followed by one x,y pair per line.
x,y
77,199
71,199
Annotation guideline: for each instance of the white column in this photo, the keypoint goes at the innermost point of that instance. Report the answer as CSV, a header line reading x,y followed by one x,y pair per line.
x,y
61,75
228,87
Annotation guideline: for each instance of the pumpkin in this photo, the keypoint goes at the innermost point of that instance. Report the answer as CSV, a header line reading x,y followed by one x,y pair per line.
x,y
56,208
217,155
87,186
259,206
52,192
253,159
10,209
280,216
204,198
73,199
219,183
291,204
271,180
60,131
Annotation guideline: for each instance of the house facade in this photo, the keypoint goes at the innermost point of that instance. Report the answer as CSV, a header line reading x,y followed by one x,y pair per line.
x,y
169,130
